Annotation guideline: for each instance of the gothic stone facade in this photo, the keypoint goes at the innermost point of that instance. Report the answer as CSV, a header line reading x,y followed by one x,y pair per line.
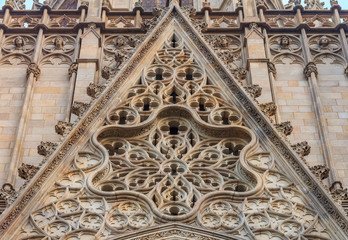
x,y
173,120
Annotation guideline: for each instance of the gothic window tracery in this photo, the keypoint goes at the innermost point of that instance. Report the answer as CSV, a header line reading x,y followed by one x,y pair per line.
x,y
174,150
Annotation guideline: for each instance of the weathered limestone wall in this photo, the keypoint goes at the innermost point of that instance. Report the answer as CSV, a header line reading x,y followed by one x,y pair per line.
x,y
12,88
295,105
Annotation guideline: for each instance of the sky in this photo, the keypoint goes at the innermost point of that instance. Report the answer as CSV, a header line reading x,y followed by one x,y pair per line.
x,y
343,3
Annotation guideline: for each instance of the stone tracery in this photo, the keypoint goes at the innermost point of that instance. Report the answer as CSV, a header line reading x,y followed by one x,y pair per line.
x,y
182,155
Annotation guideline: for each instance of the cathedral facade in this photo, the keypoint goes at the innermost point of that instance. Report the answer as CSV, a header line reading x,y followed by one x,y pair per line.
x,y
173,119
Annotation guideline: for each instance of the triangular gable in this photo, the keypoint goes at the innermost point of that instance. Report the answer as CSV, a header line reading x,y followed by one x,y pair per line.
x,y
245,196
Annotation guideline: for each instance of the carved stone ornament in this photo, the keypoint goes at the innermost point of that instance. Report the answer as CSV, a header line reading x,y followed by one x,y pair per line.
x,y
269,109
63,128
8,193
284,42
189,11
272,68
302,148
346,71
27,171
320,171
284,127
84,3
173,149
79,108
94,90
73,69
176,150
338,193
46,148
254,90
34,69
59,44
18,44
309,69
260,3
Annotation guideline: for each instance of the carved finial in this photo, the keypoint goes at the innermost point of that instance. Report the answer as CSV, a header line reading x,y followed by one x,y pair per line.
x,y
63,128
254,90
27,171
284,127
79,108
46,148
338,193
314,4
320,171
8,193
269,109
302,148
73,68
309,69
33,68
94,90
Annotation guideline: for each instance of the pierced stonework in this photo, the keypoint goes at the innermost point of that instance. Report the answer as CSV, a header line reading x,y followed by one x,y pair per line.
x,y
27,171
94,90
79,108
46,148
284,127
302,148
63,128
254,90
174,149
320,171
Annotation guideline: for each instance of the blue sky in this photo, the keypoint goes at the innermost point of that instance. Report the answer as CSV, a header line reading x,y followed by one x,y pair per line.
x,y
343,3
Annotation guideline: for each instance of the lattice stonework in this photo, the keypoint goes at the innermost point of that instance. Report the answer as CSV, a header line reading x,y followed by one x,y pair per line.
x,y
174,150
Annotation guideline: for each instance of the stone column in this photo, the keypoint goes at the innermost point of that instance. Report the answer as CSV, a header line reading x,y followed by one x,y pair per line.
x,y
311,73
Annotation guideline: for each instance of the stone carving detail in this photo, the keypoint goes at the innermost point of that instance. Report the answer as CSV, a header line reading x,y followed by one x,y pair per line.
x,y
309,69
228,48
324,43
269,109
59,44
346,71
63,128
46,148
285,43
34,69
27,171
320,171
284,127
116,51
271,68
254,90
338,193
8,193
79,108
314,4
73,69
172,150
302,148
18,44
94,90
